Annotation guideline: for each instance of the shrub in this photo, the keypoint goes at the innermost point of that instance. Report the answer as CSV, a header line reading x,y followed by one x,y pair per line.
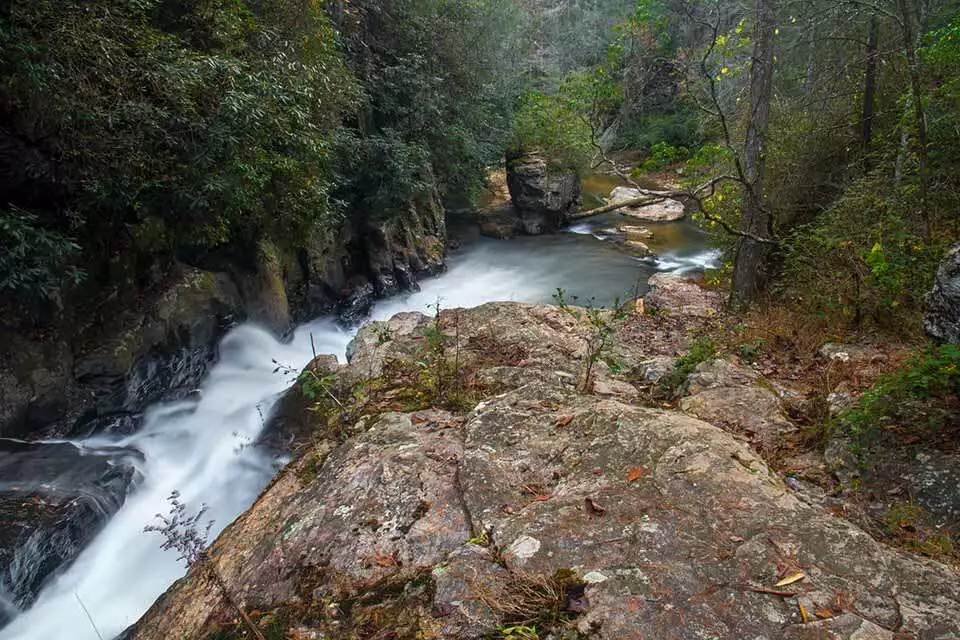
x,y
702,350
922,397
34,260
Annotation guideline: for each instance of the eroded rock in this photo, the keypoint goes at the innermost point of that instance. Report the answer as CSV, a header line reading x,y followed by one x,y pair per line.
x,y
54,498
544,198
661,524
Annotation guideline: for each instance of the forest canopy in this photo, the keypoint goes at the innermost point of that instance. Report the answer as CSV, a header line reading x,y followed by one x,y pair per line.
x,y
151,127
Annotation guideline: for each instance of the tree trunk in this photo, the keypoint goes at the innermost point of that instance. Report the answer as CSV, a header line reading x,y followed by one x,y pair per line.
x,y
869,89
750,265
910,45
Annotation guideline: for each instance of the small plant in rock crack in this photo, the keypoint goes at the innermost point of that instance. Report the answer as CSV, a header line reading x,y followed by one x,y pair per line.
x,y
601,323
312,384
186,534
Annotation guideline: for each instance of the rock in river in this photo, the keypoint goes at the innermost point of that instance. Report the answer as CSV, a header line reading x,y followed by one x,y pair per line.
x,y
667,211
543,197
54,498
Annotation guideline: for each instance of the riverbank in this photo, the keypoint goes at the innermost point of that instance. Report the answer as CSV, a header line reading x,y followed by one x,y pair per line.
x,y
555,499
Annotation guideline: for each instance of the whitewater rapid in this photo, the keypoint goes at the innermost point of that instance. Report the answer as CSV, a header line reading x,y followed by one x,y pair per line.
x,y
202,447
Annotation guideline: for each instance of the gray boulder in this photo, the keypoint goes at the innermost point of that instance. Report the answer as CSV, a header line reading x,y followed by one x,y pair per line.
x,y
943,303
544,198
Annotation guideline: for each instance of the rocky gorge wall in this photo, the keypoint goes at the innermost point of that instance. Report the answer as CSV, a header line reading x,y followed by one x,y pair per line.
x,y
100,371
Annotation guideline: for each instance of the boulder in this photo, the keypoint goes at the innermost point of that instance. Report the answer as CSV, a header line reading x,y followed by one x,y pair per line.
x,y
500,222
54,498
667,211
677,294
640,234
637,248
942,321
543,197
424,525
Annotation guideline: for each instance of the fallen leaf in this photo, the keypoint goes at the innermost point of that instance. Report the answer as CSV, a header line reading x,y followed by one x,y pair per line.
x,y
636,473
593,508
803,614
563,421
797,577
823,612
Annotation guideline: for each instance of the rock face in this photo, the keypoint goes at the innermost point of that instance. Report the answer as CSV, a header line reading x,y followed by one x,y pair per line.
x,y
680,295
54,498
943,304
544,200
99,374
737,400
621,521
132,358
667,211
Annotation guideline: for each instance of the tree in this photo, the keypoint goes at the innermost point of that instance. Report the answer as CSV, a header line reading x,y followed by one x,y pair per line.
x,y
750,266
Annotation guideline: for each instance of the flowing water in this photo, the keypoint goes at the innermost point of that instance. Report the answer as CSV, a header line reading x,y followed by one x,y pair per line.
x,y
202,447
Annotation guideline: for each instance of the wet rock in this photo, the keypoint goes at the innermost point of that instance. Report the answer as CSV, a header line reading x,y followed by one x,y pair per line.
x,y
355,307
264,291
54,498
942,321
292,422
543,197
501,222
666,211
637,248
676,294
640,234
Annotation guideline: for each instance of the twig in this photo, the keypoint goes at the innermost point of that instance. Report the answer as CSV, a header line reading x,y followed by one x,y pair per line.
x,y
89,617
773,592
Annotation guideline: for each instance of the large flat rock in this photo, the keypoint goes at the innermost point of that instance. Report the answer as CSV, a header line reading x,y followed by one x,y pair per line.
x,y
429,524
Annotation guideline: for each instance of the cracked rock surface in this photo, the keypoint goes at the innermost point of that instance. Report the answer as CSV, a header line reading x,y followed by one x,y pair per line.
x,y
666,526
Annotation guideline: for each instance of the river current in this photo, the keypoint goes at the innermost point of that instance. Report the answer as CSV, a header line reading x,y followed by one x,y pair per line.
x,y
202,447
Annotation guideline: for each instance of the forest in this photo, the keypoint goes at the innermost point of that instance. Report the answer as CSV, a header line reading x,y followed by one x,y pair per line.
x,y
207,206
138,130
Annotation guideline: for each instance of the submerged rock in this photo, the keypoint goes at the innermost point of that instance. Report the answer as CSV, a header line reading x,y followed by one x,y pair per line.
x,y
942,321
667,211
627,521
543,198
54,498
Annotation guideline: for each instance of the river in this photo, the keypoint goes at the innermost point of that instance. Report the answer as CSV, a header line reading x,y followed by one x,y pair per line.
x,y
202,447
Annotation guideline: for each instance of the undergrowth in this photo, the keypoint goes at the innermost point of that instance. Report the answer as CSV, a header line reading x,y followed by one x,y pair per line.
x,y
919,400
702,350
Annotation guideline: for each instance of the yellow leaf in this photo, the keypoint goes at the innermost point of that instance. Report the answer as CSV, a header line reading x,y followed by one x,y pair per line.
x,y
803,614
797,577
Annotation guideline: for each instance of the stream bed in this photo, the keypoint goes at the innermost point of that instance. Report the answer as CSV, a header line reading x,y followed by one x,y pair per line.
x,y
202,447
